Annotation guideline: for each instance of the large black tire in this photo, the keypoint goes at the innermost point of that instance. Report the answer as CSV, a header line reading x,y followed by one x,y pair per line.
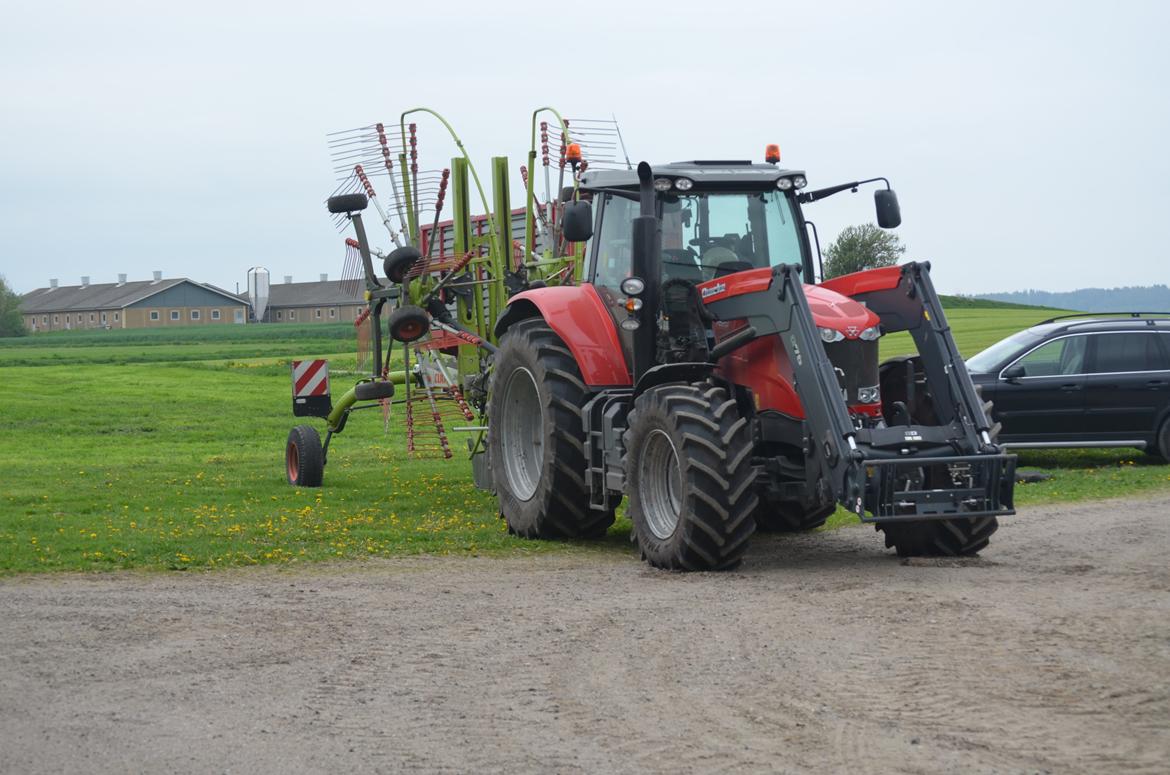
x,y
304,460
943,537
785,517
1161,447
536,437
689,478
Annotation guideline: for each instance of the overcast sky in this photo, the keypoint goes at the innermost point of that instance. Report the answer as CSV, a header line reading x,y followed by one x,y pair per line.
x,y
1026,141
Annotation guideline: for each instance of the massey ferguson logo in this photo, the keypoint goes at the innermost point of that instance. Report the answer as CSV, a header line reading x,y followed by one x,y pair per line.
x,y
714,290
852,331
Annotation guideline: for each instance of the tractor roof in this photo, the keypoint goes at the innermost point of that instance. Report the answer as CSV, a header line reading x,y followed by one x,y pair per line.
x,y
704,173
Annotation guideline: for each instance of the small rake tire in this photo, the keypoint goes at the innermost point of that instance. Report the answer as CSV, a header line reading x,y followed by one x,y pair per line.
x,y
689,453
399,263
536,437
304,459
408,324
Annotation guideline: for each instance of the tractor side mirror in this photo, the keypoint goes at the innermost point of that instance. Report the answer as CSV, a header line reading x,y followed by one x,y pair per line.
x,y
577,221
889,215
1013,372
346,203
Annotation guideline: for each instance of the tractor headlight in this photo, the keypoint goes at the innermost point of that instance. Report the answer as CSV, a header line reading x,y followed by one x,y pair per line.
x,y
828,335
662,184
784,184
871,333
630,324
684,184
632,286
869,395
799,181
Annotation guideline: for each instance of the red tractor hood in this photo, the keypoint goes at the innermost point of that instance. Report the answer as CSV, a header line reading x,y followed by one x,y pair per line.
x,y
830,309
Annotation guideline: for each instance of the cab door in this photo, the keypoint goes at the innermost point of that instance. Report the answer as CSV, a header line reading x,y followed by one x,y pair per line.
x,y
611,256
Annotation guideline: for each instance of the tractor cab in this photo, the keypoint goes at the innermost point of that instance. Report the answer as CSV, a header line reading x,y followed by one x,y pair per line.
x,y
716,217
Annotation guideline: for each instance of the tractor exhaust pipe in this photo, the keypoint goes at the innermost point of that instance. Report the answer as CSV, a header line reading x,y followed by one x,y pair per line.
x,y
645,259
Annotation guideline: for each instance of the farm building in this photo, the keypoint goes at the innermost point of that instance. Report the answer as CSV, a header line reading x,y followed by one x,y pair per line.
x,y
324,301
136,304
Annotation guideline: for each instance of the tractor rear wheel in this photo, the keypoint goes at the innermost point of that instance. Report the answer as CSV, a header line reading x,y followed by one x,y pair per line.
x,y
304,460
536,437
689,478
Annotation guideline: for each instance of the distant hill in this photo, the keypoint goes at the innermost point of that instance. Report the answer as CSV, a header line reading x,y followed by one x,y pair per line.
x,y
976,302
1150,298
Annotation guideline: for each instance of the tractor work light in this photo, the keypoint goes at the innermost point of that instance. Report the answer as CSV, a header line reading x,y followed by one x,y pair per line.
x,y
630,324
662,184
632,286
772,153
869,395
829,335
870,334
799,181
784,184
684,184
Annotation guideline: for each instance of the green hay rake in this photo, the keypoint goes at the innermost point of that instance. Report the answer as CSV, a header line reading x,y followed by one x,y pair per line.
x,y
444,283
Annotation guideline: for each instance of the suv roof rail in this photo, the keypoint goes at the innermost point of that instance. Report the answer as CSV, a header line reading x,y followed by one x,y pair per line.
x,y
1102,314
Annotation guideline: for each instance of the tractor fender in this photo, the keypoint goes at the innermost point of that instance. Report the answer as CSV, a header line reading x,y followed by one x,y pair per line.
x,y
687,372
580,318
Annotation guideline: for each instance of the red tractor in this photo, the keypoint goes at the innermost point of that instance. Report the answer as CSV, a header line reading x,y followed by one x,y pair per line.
x,y
693,373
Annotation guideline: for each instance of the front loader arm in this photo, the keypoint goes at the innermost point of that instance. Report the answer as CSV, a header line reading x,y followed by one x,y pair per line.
x,y
907,301
783,310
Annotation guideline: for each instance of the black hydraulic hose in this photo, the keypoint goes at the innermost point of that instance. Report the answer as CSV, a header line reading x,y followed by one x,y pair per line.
x,y
733,342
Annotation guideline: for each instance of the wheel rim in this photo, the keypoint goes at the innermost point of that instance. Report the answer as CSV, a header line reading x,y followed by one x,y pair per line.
x,y
292,460
522,437
660,484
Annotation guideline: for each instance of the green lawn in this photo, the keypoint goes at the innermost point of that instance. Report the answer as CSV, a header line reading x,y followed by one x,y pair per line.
x,y
163,449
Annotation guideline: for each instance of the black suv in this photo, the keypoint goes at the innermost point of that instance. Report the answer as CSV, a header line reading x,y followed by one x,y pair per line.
x,y
1082,381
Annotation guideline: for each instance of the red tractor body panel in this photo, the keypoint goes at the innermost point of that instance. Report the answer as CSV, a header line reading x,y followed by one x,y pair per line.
x,y
763,365
882,279
579,317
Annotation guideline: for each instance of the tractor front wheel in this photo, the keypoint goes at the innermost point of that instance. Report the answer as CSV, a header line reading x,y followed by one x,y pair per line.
x,y
536,437
304,460
689,478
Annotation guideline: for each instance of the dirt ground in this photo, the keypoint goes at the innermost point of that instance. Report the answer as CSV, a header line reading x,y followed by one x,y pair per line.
x,y
824,653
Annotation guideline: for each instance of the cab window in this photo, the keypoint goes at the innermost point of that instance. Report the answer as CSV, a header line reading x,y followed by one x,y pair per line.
x,y
612,251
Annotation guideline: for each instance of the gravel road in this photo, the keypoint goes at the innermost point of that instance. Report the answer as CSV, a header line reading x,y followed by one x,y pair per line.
x,y
824,653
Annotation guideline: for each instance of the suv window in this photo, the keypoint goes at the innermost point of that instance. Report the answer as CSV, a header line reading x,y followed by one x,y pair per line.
x,y
1128,351
1060,357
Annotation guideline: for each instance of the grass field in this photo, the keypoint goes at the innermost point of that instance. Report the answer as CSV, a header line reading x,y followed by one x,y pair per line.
x,y
163,449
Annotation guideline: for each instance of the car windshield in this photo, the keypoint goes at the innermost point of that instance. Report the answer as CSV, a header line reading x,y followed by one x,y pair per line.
x,y
993,357
705,235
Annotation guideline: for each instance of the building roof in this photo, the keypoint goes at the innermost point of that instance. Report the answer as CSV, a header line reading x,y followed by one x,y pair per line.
x,y
105,295
327,293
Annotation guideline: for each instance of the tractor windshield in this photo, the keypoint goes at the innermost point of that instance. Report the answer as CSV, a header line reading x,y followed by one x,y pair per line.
x,y
706,235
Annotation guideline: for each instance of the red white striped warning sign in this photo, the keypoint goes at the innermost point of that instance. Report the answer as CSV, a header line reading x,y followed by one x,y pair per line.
x,y
310,378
